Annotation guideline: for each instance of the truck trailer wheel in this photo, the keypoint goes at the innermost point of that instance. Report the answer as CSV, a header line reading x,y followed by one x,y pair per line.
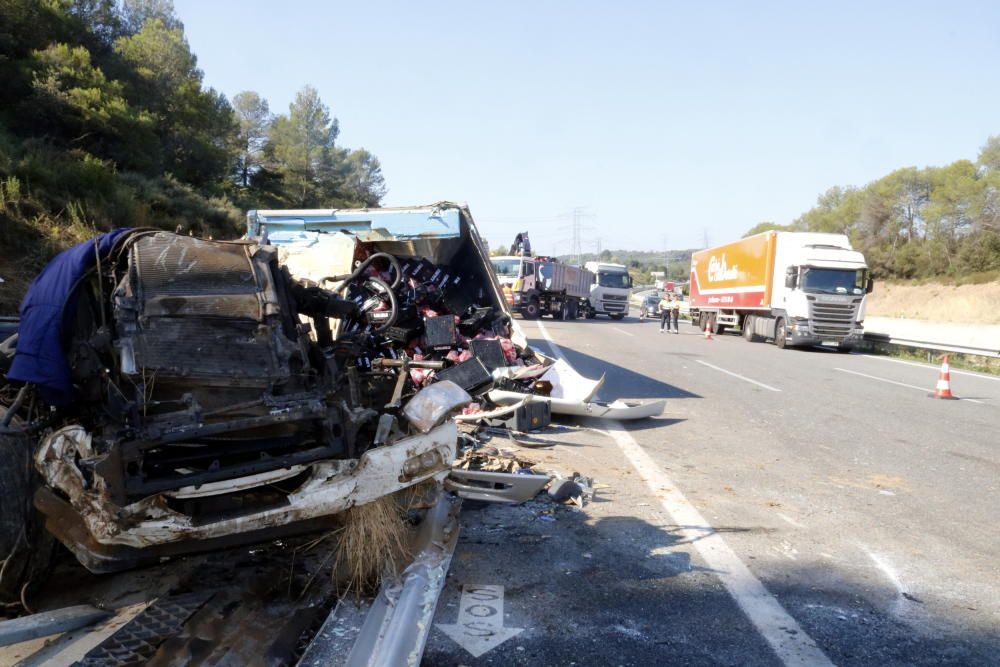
x,y
25,545
531,310
748,333
574,310
780,334
717,329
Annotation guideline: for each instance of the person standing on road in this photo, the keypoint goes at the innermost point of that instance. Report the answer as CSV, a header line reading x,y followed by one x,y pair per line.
x,y
664,307
675,314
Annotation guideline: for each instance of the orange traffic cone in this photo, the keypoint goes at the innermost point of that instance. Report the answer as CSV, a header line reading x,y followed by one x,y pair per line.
x,y
708,330
943,389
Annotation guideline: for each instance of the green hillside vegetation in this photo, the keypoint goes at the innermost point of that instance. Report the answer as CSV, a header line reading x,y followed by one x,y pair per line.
x,y
642,263
935,222
105,122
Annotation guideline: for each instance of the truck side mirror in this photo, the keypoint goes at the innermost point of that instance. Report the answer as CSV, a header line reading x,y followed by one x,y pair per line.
x,y
630,281
870,285
791,277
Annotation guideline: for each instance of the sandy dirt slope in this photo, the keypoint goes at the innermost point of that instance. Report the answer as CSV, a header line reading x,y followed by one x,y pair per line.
x,y
970,304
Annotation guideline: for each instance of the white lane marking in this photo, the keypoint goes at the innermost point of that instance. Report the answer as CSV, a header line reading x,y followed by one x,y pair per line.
x,y
887,570
901,384
556,350
622,331
737,375
899,607
790,520
480,620
787,639
920,365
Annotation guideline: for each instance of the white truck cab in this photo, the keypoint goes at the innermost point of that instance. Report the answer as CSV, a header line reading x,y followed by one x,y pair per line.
x,y
610,290
822,290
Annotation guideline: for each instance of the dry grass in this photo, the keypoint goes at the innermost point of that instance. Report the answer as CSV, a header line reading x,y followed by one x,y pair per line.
x,y
966,304
373,544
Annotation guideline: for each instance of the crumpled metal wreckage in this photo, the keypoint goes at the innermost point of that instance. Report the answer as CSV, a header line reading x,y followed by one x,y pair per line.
x,y
213,393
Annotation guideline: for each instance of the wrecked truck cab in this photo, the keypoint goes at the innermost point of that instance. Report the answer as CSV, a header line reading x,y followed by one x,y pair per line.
x,y
179,394
186,403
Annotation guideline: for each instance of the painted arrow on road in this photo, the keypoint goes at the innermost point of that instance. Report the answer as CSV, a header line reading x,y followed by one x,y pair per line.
x,y
480,620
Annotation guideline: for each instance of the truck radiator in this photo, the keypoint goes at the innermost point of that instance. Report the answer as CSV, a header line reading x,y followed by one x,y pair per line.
x,y
832,320
614,303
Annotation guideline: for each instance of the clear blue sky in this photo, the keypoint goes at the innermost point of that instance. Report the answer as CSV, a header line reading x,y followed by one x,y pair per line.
x,y
665,120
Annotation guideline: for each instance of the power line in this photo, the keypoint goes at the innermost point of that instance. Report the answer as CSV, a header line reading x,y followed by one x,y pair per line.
x,y
578,214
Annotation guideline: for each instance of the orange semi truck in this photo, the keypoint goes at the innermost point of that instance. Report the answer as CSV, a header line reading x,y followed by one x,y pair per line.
x,y
795,288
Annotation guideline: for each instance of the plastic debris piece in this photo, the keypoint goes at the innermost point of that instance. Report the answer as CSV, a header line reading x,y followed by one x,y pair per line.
x,y
562,490
434,403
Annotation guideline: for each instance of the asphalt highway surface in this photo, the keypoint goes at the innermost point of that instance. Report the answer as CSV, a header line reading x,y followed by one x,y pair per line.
x,y
789,507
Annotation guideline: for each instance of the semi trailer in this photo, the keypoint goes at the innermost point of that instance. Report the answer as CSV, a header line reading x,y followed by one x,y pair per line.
x,y
795,288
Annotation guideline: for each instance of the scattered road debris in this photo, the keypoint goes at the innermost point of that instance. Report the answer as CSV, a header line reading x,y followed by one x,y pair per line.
x,y
497,487
564,489
576,489
488,474
491,459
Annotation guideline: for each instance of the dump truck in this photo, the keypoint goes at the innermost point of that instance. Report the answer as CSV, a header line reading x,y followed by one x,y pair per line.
x,y
795,288
535,286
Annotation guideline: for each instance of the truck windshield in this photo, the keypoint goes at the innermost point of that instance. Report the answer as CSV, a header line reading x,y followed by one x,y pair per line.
x,y
506,267
616,279
833,281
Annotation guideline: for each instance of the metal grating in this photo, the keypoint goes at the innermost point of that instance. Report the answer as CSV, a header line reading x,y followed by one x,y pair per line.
x,y
206,348
168,265
832,319
137,641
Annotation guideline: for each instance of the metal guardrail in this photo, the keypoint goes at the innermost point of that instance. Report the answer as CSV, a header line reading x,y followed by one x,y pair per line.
x,y
885,338
929,345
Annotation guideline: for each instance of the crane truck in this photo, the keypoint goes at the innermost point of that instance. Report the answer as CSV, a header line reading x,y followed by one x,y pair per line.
x,y
795,288
536,286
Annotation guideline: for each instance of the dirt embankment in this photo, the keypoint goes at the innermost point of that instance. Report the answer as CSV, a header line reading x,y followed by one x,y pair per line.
x,y
15,283
968,304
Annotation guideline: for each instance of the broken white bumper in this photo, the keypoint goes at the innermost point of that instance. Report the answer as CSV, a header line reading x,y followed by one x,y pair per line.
x,y
102,533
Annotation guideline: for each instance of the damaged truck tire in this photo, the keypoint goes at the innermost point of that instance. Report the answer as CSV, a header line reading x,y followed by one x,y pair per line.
x,y
25,546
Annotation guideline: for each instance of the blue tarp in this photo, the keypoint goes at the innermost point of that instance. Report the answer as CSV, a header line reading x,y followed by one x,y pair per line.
x,y
41,357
